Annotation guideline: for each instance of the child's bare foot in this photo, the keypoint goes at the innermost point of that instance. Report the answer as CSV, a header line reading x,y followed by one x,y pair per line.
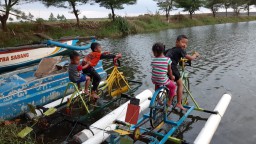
x,y
181,107
86,92
169,103
95,96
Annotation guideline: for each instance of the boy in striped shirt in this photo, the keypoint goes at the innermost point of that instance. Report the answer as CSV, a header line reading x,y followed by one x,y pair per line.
x,y
161,68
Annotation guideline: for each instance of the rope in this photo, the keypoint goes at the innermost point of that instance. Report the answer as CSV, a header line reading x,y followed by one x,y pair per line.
x,y
71,132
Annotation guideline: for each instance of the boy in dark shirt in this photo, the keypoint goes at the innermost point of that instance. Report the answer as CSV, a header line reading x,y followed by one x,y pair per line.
x,y
176,54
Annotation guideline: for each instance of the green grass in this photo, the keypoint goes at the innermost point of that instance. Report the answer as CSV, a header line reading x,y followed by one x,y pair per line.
x,y
22,33
8,135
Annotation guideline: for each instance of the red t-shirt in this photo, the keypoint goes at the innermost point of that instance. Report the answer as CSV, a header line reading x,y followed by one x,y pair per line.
x,y
93,58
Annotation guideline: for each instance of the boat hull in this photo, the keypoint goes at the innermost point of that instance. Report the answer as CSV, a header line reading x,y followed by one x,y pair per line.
x,y
15,98
11,59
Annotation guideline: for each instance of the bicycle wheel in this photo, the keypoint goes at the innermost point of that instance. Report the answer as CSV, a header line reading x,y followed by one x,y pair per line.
x,y
158,106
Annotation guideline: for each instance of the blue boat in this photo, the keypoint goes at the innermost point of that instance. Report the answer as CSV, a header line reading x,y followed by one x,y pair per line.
x,y
22,87
15,57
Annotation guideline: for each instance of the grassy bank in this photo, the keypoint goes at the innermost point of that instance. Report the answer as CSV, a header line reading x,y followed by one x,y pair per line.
x,y
22,33
8,135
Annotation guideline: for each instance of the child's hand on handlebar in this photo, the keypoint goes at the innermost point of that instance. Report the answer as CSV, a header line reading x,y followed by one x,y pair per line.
x,y
118,56
197,54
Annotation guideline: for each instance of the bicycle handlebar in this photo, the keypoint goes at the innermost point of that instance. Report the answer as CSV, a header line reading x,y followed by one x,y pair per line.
x,y
185,62
117,62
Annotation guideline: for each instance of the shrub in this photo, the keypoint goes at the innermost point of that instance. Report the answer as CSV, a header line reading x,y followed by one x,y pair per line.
x,y
122,25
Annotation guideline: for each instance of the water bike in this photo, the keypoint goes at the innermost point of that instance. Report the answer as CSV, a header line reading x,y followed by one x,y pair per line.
x,y
132,130
78,106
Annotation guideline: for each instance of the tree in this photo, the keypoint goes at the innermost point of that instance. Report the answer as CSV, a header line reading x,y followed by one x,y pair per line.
x,y
247,5
30,16
61,17
11,19
70,4
237,5
7,6
213,5
52,18
58,17
115,4
226,4
39,20
166,6
190,5
84,17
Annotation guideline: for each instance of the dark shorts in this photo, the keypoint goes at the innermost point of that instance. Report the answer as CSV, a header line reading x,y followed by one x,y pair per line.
x,y
82,78
176,73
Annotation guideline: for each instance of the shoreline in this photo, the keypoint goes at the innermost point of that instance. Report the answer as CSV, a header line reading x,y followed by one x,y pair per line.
x,y
23,33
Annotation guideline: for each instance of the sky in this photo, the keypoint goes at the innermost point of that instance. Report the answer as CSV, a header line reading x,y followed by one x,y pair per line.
x,y
95,11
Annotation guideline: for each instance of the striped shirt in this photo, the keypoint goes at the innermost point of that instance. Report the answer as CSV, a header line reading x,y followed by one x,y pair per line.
x,y
160,70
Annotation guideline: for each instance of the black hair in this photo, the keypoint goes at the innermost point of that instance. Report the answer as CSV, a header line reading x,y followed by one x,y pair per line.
x,y
180,37
158,48
94,45
73,55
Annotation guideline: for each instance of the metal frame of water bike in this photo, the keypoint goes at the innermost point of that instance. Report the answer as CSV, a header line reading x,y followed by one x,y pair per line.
x,y
108,84
158,106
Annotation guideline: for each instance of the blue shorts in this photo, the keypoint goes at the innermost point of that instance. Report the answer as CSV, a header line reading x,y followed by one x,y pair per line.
x,y
82,78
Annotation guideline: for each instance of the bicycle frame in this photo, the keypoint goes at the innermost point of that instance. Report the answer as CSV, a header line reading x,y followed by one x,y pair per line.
x,y
184,75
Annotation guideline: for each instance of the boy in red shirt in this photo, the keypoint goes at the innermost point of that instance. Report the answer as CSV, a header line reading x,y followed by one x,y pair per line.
x,y
92,59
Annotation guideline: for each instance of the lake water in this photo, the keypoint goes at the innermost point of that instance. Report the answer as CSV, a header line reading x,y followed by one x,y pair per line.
x,y
227,64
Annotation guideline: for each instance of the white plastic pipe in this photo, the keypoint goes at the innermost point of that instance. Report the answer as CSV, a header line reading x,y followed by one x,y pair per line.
x,y
110,118
103,135
210,127
31,115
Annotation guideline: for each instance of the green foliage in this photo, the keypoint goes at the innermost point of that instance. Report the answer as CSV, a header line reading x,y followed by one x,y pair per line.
x,y
8,135
190,5
30,16
84,17
10,19
61,17
69,4
166,6
226,5
114,4
122,25
247,5
7,8
109,16
237,5
213,5
52,18
39,20
105,28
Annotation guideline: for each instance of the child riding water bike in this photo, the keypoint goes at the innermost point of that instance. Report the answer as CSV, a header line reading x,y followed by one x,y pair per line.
x,y
161,68
75,71
176,53
92,59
